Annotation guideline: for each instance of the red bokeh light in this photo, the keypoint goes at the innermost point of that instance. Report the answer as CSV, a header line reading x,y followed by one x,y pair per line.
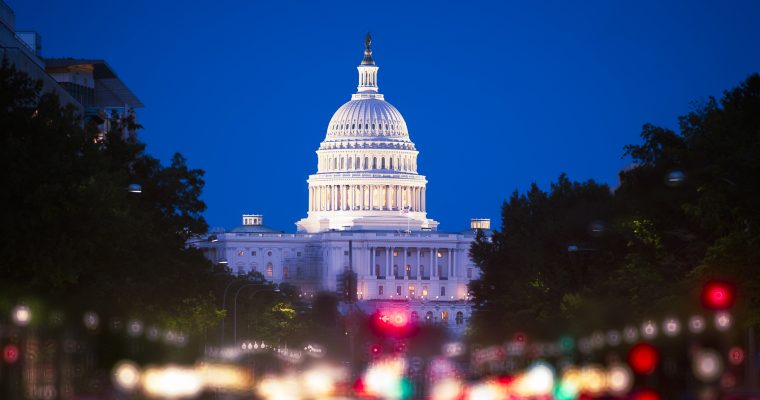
x,y
643,358
647,394
375,349
736,355
718,295
10,354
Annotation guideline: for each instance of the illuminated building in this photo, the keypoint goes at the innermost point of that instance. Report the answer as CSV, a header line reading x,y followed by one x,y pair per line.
x,y
367,192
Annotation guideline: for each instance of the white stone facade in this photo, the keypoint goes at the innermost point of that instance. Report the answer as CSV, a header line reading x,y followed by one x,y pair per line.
x,y
367,201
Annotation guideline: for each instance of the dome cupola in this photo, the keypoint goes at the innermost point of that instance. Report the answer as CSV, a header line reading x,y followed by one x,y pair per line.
x,y
367,166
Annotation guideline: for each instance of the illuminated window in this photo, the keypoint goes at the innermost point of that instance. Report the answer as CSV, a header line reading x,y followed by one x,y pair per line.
x,y
398,290
285,272
424,291
380,290
443,291
444,316
460,318
408,270
440,255
241,253
411,290
270,269
395,253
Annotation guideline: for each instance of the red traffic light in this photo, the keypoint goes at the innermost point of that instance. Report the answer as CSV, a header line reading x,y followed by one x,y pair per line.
x,y
10,354
717,295
643,358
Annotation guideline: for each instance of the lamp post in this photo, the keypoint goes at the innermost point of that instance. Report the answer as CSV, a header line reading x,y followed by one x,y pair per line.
x,y
234,308
224,306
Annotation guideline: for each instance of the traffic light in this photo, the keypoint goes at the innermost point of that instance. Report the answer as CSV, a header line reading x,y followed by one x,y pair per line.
x,y
718,295
375,350
347,286
392,323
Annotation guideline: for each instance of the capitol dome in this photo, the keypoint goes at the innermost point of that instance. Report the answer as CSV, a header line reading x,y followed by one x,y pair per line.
x,y
368,117
367,166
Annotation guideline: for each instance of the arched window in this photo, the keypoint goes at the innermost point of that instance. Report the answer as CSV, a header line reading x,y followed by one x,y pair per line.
x,y
444,316
460,318
342,163
415,316
443,291
254,267
270,270
357,162
429,316
391,164
374,162
408,271
383,163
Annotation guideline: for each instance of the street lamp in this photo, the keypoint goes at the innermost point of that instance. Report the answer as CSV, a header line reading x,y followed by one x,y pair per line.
x,y
234,308
224,303
22,315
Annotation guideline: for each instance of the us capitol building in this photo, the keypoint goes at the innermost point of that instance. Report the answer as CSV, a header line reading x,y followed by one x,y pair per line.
x,y
367,211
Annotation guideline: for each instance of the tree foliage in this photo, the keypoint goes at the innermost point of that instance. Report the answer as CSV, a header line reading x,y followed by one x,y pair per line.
x,y
74,236
580,256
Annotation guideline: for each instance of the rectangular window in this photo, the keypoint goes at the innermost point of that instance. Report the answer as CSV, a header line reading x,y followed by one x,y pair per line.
x,y
443,291
345,252
285,272
241,253
253,253
380,290
424,291
411,290
298,254
398,290
395,253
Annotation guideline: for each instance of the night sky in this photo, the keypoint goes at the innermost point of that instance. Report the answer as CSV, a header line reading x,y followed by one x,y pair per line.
x,y
496,95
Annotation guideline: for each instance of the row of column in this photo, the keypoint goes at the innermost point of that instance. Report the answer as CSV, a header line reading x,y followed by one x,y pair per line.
x,y
448,270
366,197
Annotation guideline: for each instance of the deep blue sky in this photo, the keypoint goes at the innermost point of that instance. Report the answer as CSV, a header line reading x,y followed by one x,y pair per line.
x,y
496,95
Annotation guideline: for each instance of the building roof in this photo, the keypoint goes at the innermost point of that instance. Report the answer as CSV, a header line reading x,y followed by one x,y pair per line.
x,y
110,91
254,229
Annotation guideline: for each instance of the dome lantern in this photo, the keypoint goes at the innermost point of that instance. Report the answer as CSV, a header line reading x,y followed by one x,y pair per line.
x,y
367,69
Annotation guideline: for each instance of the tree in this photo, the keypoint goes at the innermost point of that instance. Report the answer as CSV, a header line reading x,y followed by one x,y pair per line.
x,y
688,210
73,235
